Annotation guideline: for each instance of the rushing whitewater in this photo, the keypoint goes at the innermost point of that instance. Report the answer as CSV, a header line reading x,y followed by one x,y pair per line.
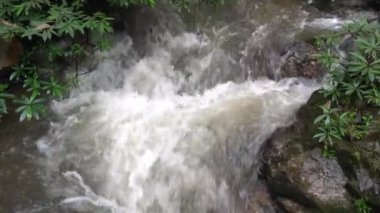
x,y
171,119
150,145
176,129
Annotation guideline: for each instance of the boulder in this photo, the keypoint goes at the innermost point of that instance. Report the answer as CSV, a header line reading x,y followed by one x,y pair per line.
x,y
300,179
299,61
297,175
360,161
322,177
311,180
10,53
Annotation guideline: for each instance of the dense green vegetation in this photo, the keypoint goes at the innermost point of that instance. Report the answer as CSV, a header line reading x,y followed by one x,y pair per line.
x,y
361,205
352,58
43,23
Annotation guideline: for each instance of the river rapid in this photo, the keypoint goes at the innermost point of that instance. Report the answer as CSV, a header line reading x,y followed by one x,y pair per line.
x,y
171,119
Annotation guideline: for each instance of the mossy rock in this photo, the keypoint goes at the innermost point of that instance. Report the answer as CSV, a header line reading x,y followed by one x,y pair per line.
x,y
361,163
288,149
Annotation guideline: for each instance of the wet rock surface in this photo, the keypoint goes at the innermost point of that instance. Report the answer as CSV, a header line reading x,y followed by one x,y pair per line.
x,y
361,164
300,62
311,180
366,182
323,177
290,206
259,201
300,179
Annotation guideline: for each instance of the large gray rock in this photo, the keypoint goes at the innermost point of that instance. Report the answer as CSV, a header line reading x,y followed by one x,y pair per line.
x,y
298,176
309,179
323,178
302,180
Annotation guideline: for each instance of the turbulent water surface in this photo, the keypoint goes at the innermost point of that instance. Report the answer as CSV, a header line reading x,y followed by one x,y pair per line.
x,y
171,120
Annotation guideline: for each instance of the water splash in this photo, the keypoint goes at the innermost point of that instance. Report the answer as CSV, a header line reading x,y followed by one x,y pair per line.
x,y
175,130
145,147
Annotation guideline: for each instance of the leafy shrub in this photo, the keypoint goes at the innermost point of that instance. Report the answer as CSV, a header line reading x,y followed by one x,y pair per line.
x,y
3,97
353,82
31,104
42,22
361,206
31,107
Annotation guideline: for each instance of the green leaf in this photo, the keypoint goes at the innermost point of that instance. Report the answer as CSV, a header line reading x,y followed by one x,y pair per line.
x,y
359,57
319,118
31,107
23,115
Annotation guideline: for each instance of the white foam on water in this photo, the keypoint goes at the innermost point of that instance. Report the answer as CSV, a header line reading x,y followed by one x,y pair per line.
x,y
327,23
131,139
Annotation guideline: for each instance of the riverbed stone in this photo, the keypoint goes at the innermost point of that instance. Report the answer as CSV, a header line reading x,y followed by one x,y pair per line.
x,y
300,61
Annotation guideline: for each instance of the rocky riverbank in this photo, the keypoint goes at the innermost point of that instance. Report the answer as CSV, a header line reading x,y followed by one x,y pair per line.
x,y
298,175
300,179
